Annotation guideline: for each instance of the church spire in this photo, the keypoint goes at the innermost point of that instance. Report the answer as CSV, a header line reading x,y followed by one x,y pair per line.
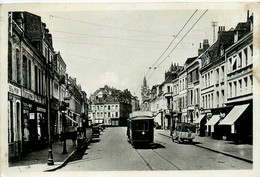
x,y
144,82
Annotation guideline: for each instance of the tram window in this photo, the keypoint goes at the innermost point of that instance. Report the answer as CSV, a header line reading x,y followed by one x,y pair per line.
x,y
141,125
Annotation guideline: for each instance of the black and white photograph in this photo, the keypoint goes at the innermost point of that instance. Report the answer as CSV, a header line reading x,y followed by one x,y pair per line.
x,y
130,88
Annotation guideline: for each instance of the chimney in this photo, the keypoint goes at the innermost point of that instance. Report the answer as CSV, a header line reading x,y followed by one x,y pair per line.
x,y
205,44
247,15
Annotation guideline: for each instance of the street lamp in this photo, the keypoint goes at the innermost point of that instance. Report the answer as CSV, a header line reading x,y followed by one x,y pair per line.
x,y
50,155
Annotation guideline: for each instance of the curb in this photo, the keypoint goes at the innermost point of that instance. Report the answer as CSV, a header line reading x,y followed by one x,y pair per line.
x,y
221,152
64,163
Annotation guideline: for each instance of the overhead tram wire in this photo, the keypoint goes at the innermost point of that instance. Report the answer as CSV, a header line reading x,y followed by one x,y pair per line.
x,y
175,38
110,61
108,26
183,37
167,48
108,37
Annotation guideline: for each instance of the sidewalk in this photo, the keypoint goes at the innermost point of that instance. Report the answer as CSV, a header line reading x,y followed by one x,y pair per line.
x,y
37,160
239,151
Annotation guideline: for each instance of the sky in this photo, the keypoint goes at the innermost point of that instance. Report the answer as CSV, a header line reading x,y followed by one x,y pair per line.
x,y
117,47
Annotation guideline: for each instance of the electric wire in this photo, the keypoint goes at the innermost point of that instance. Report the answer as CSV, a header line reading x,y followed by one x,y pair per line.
x,y
102,60
168,47
109,37
183,37
108,26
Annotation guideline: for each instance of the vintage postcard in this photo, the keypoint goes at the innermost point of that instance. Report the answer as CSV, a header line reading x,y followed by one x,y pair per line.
x,y
129,88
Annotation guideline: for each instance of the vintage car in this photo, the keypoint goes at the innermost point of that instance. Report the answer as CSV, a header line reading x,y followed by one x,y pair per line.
x,y
183,131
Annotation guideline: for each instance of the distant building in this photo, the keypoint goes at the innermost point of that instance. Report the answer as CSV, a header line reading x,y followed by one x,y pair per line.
x,y
145,91
111,106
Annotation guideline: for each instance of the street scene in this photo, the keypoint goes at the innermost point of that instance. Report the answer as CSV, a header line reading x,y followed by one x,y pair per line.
x,y
112,151
133,90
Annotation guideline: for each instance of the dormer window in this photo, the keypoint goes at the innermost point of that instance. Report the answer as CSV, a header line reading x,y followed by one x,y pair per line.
x,y
236,37
222,51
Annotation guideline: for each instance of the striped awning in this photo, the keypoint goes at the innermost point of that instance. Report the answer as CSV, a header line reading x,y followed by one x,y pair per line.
x,y
213,120
234,114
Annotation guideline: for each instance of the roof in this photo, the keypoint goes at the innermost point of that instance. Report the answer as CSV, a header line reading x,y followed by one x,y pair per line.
x,y
241,26
190,60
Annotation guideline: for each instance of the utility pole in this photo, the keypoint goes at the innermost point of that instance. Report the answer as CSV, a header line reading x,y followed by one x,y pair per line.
x,y
50,155
214,25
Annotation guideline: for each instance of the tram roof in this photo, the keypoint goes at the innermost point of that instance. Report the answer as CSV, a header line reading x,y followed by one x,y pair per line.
x,y
141,114
141,118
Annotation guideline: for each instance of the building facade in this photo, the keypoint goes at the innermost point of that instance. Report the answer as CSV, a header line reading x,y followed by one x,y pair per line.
x,y
110,106
31,59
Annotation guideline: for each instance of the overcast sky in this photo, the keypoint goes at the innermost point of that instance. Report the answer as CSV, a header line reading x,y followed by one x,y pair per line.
x,y
117,47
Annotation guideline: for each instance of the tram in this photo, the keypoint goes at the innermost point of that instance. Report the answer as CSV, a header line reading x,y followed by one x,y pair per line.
x,y
140,128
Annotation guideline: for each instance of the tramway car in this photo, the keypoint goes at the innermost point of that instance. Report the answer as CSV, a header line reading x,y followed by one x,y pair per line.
x,y
140,128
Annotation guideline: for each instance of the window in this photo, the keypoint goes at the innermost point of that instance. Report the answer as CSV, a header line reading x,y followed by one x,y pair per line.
x,y
108,114
245,81
246,57
36,78
251,81
251,52
97,107
206,80
217,75
230,89
25,80
30,74
206,101
240,59
116,114
235,88
240,85
108,107
217,98
212,99
235,65
10,63
168,89
18,66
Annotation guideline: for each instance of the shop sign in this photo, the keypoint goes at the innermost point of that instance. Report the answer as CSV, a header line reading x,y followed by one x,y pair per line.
x,y
37,99
38,109
31,116
27,106
14,90
28,94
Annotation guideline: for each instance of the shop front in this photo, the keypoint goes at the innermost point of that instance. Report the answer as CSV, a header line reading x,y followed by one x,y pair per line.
x,y
55,104
14,122
29,126
42,124
237,125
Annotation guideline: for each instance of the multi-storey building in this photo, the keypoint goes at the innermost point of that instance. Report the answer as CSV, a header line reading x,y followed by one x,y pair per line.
x,y
27,80
110,106
31,59
183,94
237,124
213,80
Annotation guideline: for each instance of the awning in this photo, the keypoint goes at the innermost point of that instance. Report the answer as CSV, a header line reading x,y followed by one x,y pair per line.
x,y
71,119
158,118
234,114
198,120
213,120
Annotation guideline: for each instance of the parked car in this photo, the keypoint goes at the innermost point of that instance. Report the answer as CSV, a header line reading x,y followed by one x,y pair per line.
x,y
184,131
95,131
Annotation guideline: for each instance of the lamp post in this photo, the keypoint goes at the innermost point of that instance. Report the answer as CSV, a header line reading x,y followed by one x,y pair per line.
x,y
64,151
50,155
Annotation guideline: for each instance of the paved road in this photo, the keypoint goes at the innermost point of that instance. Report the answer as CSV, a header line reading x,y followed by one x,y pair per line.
x,y
112,152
